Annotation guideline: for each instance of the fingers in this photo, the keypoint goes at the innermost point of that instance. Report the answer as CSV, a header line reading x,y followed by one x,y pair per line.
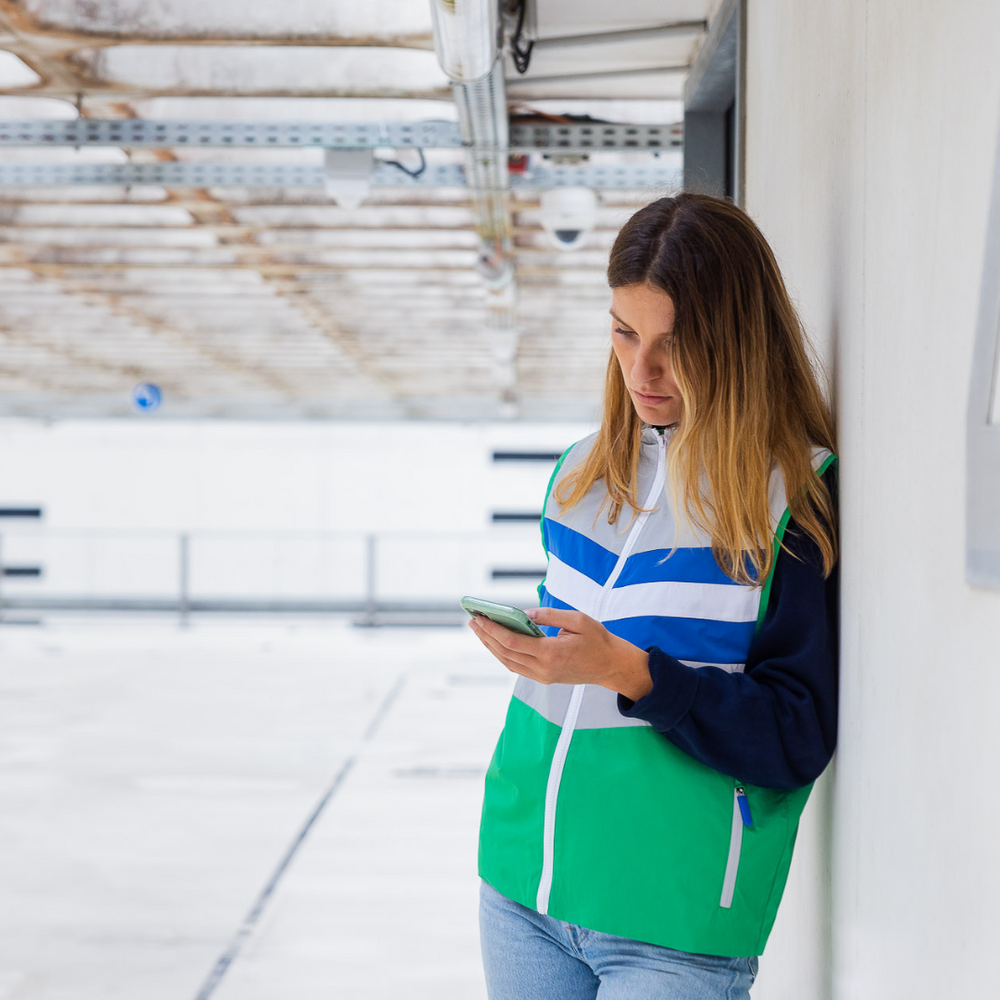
x,y
571,621
504,655
522,645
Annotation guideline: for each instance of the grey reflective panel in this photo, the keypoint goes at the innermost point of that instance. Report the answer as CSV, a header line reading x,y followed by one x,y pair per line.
x,y
550,701
599,710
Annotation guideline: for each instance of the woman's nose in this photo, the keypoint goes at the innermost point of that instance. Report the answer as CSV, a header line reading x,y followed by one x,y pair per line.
x,y
645,369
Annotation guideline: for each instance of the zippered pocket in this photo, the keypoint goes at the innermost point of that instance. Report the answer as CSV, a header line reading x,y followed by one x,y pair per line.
x,y
741,818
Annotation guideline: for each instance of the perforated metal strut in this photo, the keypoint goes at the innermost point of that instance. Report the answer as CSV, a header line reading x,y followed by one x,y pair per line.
x,y
181,175
137,132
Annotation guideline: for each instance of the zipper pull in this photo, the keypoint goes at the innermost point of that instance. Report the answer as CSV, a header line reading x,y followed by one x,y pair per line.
x,y
741,798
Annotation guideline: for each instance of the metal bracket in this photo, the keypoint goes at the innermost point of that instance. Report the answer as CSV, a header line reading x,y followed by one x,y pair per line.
x,y
138,132
183,175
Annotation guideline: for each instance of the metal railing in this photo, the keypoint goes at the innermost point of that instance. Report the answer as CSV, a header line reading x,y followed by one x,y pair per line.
x,y
379,577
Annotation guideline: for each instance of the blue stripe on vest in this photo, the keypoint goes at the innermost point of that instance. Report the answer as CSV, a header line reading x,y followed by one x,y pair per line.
x,y
702,639
548,601
692,565
699,639
579,551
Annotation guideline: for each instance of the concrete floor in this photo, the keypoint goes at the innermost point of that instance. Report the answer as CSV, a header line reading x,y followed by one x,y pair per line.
x,y
158,784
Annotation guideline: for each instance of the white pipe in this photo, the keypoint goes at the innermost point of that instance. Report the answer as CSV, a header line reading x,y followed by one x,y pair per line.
x,y
466,37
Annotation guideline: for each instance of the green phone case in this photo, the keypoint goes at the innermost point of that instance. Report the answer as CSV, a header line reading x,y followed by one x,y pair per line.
x,y
503,614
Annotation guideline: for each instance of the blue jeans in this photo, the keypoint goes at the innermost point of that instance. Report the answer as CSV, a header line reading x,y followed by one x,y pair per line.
x,y
529,956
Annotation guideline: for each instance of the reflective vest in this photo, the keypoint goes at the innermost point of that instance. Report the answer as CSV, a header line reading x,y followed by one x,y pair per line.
x,y
598,819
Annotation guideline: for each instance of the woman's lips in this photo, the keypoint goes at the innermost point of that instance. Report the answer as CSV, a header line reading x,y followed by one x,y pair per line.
x,y
650,400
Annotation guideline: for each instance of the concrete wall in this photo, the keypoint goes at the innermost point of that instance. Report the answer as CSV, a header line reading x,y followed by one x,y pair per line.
x,y
871,129
272,510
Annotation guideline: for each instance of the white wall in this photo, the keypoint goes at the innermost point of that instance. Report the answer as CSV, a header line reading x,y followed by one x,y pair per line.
x,y
871,129
222,475
275,510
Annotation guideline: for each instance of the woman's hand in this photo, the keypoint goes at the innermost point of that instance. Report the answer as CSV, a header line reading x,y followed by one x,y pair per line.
x,y
583,652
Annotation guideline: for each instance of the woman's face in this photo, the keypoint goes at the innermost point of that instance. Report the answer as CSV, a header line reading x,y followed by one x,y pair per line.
x,y
642,321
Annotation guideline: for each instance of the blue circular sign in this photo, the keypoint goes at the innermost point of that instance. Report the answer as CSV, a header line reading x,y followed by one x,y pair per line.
x,y
147,397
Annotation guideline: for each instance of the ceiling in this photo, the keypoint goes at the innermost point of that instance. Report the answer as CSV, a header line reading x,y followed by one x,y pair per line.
x,y
275,302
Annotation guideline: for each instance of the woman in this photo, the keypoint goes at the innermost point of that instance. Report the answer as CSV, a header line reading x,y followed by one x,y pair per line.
x,y
662,738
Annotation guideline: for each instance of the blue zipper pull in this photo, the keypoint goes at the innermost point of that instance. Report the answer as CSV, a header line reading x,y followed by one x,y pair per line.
x,y
741,798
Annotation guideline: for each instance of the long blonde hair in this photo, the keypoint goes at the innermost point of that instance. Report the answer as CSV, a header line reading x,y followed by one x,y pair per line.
x,y
749,391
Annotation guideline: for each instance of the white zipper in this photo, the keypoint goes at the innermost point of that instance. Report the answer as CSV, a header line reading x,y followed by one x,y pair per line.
x,y
573,710
741,818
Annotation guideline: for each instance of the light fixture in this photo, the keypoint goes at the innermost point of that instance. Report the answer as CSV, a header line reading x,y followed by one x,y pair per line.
x,y
347,175
466,37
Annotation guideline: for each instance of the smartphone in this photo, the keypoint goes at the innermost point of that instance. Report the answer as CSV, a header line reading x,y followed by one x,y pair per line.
x,y
503,614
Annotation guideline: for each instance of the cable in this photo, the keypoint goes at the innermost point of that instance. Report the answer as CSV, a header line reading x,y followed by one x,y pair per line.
x,y
522,113
407,170
521,57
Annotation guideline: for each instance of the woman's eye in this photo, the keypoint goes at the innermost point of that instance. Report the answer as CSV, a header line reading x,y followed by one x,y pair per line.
x,y
624,333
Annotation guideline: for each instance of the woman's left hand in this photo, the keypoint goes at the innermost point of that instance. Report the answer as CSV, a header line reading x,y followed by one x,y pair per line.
x,y
583,652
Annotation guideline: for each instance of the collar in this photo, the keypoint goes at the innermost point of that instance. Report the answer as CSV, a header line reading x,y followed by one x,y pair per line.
x,y
651,433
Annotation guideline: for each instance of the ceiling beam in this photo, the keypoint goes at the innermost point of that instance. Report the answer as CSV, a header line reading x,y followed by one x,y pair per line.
x,y
17,20
320,318
10,230
671,29
49,62
69,353
41,383
222,359
312,312
16,253
609,74
283,270
63,81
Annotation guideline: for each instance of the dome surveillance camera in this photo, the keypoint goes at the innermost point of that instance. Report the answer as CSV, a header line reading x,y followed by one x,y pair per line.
x,y
568,214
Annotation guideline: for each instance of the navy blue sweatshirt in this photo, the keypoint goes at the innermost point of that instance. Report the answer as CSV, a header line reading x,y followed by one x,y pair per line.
x,y
775,724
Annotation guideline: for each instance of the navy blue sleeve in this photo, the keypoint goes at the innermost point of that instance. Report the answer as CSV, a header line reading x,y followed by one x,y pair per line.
x,y
775,724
